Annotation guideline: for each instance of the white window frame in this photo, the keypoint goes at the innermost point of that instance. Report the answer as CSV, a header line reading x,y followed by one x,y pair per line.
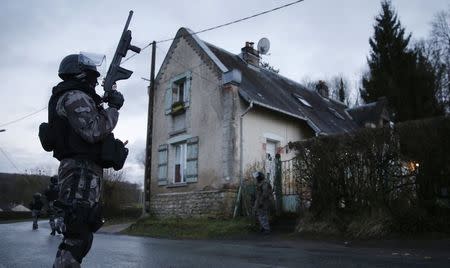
x,y
172,94
182,161
176,87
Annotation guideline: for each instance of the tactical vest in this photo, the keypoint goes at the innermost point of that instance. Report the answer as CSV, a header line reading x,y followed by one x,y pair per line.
x,y
66,142
58,136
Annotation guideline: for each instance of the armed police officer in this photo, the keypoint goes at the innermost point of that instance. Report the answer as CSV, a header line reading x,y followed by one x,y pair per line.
x,y
263,201
79,132
54,214
36,207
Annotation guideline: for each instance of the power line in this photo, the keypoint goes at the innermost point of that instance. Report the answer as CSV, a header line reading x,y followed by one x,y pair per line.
x,y
220,26
23,117
191,68
9,159
171,39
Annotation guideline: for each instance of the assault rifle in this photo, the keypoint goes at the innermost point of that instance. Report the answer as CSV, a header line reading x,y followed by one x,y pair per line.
x,y
115,72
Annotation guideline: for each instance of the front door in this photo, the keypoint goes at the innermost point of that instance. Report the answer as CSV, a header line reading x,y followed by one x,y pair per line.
x,y
271,147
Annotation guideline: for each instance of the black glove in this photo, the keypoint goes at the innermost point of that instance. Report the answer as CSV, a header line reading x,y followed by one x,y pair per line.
x,y
115,99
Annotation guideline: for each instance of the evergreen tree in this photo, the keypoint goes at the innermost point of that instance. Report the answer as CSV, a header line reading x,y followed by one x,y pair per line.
x,y
341,91
397,72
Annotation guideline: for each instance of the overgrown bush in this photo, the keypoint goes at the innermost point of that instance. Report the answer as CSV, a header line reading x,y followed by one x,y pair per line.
x,y
401,174
120,198
19,188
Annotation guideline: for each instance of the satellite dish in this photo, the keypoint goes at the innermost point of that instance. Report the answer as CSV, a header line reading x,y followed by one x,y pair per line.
x,y
263,46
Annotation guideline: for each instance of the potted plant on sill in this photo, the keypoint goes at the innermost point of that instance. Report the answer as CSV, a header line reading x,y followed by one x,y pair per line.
x,y
178,107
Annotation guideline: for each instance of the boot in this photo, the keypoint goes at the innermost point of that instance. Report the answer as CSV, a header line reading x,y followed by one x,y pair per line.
x,y
53,232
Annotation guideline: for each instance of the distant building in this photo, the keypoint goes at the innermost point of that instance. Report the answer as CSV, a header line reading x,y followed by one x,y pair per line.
x,y
20,208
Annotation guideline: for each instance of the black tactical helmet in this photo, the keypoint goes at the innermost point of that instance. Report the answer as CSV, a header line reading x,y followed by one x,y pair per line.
x,y
71,66
54,179
37,195
258,175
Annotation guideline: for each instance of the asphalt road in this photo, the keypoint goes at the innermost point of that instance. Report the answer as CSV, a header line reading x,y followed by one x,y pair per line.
x,y
22,247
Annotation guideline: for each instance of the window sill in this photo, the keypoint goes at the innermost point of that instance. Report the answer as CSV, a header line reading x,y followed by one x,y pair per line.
x,y
175,185
177,132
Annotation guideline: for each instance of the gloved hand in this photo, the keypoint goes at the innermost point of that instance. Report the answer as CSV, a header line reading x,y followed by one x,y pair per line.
x,y
115,99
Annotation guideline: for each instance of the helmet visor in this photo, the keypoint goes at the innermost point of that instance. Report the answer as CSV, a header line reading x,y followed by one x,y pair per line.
x,y
93,61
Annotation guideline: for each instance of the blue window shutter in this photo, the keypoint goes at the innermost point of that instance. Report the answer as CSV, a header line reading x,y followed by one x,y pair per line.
x,y
192,160
187,89
168,100
162,164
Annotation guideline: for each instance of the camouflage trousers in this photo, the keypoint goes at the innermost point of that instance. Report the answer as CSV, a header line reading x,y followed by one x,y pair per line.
x,y
55,217
80,188
35,214
263,218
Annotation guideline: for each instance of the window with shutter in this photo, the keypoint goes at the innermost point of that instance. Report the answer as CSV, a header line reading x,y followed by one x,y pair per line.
x,y
180,163
162,164
192,160
177,97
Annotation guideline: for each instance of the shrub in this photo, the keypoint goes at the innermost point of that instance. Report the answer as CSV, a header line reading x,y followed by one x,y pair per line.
x,y
399,172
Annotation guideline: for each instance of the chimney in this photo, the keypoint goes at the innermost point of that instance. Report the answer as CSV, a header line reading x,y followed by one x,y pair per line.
x,y
249,54
322,89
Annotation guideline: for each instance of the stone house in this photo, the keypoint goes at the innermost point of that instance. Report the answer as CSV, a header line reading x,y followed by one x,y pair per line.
x,y
215,114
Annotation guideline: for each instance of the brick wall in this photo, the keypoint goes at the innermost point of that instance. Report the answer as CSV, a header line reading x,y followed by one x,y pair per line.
x,y
217,204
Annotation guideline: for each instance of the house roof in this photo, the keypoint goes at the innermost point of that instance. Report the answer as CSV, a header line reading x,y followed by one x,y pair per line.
x,y
275,92
369,113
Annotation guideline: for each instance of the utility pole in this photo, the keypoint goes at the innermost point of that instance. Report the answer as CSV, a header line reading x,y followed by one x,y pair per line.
x,y
148,147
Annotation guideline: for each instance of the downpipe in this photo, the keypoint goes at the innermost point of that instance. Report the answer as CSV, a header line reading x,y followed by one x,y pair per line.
x,y
241,152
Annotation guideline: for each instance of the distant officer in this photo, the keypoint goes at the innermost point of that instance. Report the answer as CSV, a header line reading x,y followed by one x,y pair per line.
x,y
79,133
51,194
263,199
36,207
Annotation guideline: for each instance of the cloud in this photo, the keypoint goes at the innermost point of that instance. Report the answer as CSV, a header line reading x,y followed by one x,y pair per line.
x,y
316,38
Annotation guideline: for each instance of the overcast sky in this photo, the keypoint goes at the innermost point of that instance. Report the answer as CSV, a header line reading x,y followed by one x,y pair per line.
x,y
315,38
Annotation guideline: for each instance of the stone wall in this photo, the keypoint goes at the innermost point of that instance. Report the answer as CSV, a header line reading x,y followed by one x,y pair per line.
x,y
217,204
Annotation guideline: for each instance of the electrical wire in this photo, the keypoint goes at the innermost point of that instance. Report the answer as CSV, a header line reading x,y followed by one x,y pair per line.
x,y
189,68
219,26
171,39
23,117
9,159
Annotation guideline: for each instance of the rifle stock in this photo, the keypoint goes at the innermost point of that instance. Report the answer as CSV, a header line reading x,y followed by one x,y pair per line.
x,y
115,72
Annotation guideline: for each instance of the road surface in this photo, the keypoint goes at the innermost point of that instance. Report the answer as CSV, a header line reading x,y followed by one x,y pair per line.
x,y
22,247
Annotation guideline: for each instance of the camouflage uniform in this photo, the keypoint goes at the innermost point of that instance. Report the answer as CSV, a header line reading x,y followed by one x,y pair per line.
x,y
53,213
36,206
263,201
80,179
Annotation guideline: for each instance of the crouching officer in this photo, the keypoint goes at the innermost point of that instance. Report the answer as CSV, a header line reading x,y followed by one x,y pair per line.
x,y
79,132
263,201
36,207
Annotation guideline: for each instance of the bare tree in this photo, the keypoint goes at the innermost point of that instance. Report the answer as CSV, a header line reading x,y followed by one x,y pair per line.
x,y
140,157
437,49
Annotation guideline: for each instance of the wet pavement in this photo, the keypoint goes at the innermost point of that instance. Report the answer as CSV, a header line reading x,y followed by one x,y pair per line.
x,y
22,247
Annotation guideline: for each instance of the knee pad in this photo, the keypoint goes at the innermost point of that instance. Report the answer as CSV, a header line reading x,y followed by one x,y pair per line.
x,y
78,245
64,259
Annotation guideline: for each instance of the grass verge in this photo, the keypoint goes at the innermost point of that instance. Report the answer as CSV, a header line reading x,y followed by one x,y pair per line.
x,y
192,228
